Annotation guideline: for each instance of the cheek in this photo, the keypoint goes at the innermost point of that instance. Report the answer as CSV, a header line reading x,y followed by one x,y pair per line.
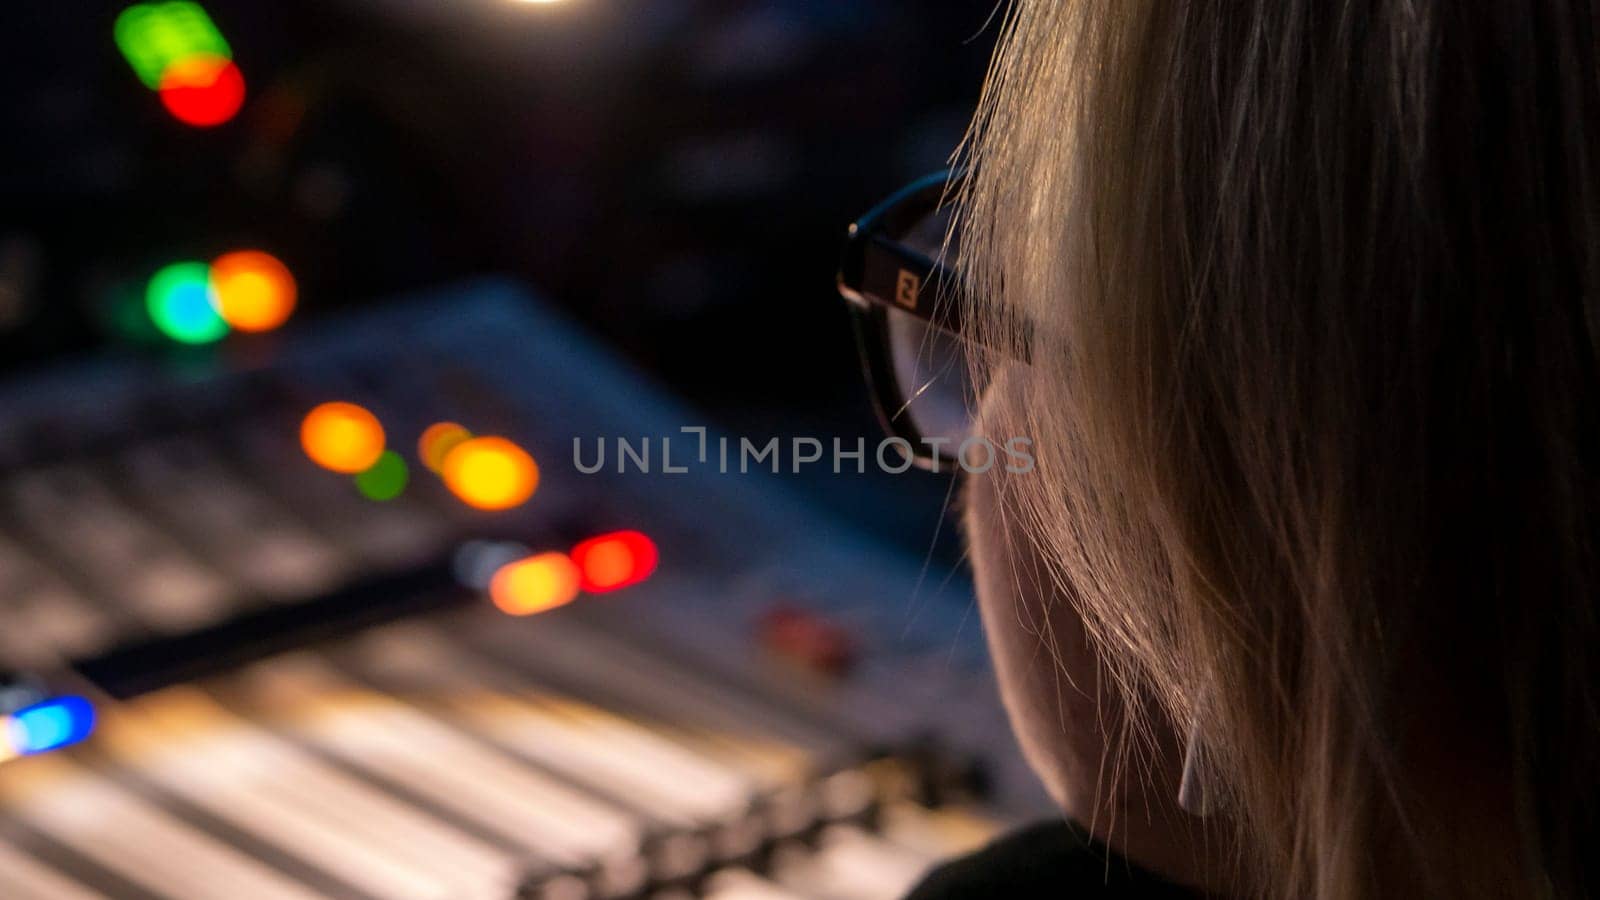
x,y
1047,674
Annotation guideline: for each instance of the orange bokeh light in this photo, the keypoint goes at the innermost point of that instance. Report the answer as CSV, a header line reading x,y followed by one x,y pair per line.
x,y
490,473
342,437
202,90
615,560
253,290
437,441
535,584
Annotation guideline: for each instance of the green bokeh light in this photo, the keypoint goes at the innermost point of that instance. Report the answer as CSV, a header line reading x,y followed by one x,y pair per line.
x,y
153,36
386,479
180,304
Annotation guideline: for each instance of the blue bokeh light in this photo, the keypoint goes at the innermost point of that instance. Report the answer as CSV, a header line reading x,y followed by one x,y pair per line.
x,y
50,724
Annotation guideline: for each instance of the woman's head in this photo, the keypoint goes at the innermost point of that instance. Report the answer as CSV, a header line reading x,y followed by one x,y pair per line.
x,y
1312,295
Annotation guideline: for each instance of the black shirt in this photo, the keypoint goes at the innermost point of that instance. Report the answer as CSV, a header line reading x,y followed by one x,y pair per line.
x,y
1049,861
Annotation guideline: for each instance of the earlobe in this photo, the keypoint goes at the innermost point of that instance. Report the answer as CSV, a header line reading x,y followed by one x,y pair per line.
x,y
1196,796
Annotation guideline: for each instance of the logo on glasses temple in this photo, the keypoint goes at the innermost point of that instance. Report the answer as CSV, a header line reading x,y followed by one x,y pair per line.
x,y
907,288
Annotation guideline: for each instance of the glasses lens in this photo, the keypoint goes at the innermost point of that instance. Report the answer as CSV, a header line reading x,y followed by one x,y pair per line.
x,y
930,364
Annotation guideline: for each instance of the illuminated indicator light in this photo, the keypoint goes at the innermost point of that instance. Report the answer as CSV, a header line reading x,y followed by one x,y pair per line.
x,y
49,725
437,441
180,304
253,290
615,560
154,36
386,479
490,473
202,90
808,639
342,437
535,584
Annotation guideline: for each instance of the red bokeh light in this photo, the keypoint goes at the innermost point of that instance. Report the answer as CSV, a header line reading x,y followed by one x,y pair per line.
x,y
203,90
616,560
807,639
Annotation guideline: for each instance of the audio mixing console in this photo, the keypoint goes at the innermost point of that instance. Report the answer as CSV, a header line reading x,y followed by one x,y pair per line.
x,y
299,691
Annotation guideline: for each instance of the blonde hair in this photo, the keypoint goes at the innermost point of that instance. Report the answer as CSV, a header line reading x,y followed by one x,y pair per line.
x,y
1309,290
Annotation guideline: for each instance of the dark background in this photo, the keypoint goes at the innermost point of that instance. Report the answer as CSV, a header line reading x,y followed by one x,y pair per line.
x,y
676,174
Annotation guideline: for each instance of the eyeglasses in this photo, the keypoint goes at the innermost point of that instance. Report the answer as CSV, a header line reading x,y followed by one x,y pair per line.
x,y
906,305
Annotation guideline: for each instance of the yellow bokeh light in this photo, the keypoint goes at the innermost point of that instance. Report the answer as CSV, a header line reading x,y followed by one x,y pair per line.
x,y
253,290
342,437
490,473
535,584
437,441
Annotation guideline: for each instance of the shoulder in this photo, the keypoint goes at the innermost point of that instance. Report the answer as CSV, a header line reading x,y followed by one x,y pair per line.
x,y
1046,860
